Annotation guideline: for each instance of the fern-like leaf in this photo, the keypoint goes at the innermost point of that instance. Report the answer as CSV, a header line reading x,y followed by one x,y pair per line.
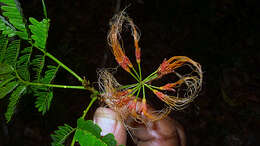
x,y
43,101
37,65
12,10
39,32
17,93
6,27
50,74
12,53
5,68
44,95
61,135
3,46
22,65
4,79
8,88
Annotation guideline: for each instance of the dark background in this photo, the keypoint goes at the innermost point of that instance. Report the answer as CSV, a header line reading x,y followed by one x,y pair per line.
x,y
222,35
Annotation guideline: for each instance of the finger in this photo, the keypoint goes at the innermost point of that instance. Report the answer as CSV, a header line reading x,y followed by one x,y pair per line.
x,y
162,132
181,133
109,123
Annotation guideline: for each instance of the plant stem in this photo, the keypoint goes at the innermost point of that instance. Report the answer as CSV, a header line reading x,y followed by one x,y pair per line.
x,y
134,76
83,116
89,105
140,75
143,92
135,89
149,77
55,85
44,9
128,86
155,87
138,93
136,73
148,86
49,85
61,64
73,141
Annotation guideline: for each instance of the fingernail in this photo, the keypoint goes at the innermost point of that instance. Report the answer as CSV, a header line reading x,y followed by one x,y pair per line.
x,y
106,119
109,123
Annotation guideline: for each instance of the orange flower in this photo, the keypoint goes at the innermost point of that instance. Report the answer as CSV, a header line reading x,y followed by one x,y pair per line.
x,y
117,50
124,101
170,86
168,66
114,40
136,39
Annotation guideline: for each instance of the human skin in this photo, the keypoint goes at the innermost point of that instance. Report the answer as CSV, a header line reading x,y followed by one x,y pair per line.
x,y
165,132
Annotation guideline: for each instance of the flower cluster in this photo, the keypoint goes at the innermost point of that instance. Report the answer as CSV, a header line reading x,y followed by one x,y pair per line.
x,y
125,100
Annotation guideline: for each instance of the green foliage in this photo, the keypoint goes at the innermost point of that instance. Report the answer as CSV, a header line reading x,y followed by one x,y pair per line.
x,y
88,134
13,101
87,139
39,32
9,87
4,79
5,68
6,27
61,135
43,100
23,70
12,53
22,65
16,65
3,46
44,94
37,65
50,74
109,139
89,126
13,12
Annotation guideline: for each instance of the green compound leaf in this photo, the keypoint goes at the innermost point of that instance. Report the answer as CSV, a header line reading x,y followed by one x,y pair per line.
x,y
3,46
86,138
5,68
8,88
12,10
37,65
89,126
6,78
88,134
39,32
13,101
44,95
43,101
50,74
12,53
109,139
61,135
22,64
6,27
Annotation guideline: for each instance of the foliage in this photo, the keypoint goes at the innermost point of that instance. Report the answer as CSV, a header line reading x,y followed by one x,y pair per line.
x,y
17,59
61,135
86,134
23,70
92,132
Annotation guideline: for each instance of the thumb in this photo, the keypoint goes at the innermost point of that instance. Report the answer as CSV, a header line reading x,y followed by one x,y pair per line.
x,y
109,123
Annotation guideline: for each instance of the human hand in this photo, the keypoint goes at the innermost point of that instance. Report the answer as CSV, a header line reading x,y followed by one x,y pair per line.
x,y
165,132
